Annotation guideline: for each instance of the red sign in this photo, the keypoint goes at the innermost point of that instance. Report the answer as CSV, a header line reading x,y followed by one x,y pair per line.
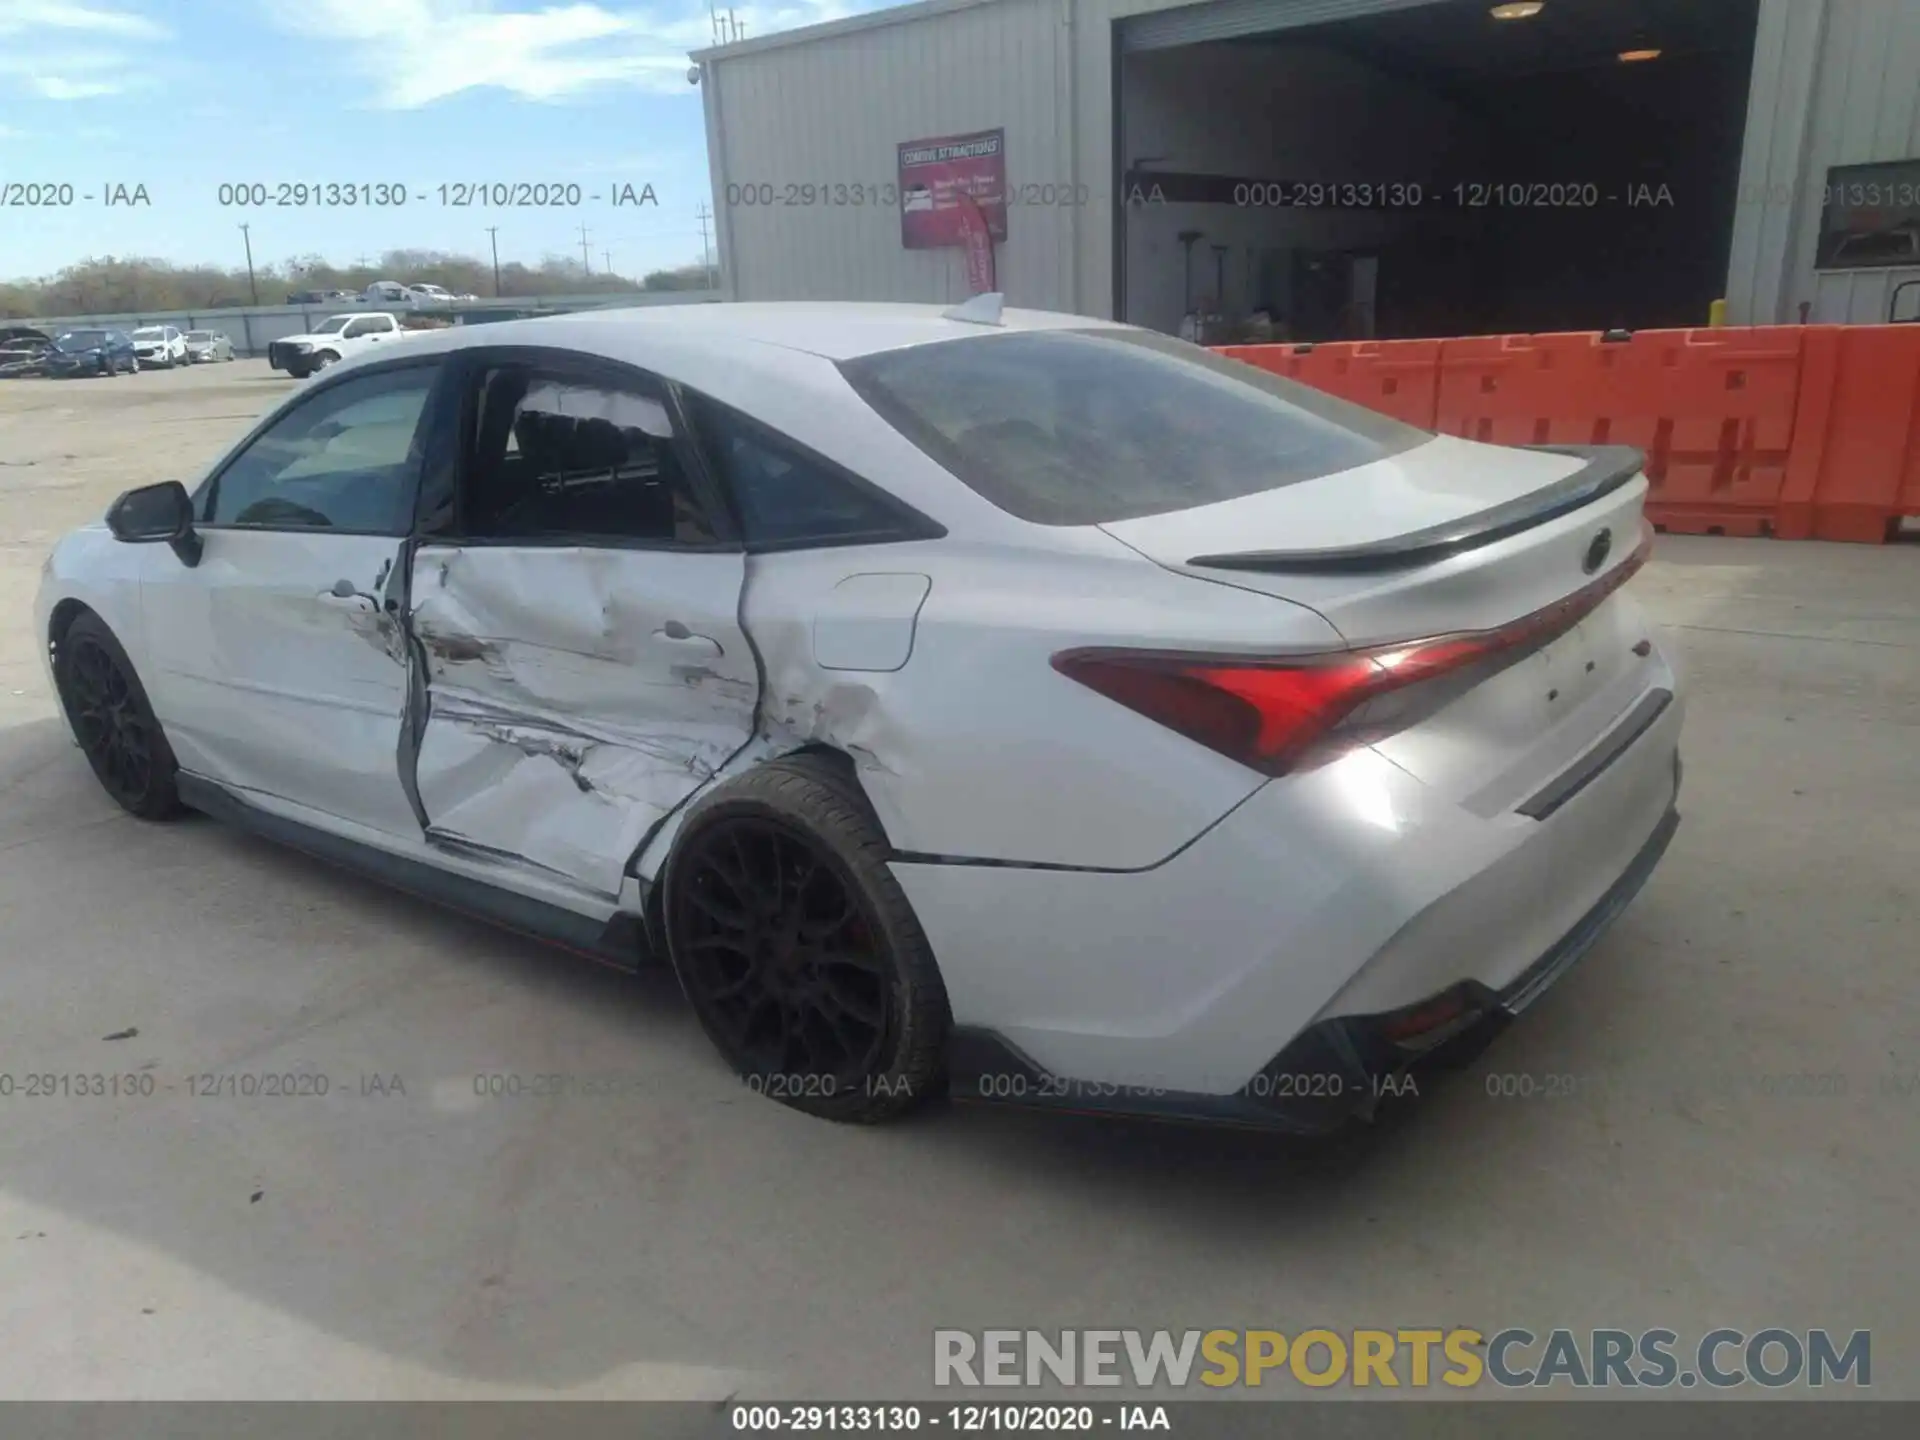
x,y
936,176
978,239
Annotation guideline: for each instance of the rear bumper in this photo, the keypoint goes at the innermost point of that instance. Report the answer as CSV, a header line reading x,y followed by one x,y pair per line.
x,y
1335,1071
1277,949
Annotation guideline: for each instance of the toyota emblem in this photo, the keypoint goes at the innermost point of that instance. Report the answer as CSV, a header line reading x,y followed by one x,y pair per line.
x,y
1598,549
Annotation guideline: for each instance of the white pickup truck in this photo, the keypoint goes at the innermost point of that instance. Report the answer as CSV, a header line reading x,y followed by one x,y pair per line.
x,y
333,339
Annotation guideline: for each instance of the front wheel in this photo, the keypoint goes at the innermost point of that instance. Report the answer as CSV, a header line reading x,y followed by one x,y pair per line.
x,y
113,722
798,950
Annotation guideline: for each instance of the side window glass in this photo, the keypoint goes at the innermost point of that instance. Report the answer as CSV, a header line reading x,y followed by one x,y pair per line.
x,y
556,457
346,460
784,496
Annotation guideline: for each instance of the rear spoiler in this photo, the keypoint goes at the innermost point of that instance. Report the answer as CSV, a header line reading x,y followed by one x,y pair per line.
x,y
1608,467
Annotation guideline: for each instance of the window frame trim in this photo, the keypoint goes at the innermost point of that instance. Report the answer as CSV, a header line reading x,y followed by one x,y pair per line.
x,y
207,495
913,524
470,368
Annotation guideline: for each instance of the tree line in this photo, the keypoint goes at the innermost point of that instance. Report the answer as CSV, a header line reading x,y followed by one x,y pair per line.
x,y
112,286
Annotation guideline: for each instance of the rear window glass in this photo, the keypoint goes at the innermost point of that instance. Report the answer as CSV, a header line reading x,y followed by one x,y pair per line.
x,y
1079,427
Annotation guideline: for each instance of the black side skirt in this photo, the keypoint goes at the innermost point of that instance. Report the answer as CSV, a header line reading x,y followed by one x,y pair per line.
x,y
621,941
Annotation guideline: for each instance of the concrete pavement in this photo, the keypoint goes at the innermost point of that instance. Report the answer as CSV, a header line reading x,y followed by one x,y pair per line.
x,y
1713,1130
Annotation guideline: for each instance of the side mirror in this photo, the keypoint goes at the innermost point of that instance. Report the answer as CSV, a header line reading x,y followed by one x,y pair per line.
x,y
154,513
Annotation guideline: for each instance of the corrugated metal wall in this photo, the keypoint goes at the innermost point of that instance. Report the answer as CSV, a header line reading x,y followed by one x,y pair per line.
x,y
830,114
1836,82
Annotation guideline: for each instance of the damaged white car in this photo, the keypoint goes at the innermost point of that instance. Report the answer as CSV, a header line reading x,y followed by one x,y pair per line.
x,y
1005,704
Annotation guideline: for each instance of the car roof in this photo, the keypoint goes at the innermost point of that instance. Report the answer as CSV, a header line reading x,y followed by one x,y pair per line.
x,y
832,330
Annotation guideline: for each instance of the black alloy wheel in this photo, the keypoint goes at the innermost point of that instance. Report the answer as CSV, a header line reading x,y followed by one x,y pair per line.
x,y
798,949
113,723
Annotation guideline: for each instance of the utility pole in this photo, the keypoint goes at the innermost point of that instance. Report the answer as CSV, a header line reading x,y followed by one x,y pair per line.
x,y
607,256
252,287
706,255
586,261
493,236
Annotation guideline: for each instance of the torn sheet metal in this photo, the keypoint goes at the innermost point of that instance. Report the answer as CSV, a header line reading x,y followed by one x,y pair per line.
x,y
833,645
577,696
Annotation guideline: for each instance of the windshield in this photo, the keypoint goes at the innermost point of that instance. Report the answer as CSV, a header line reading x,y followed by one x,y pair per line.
x,y
1079,427
331,327
81,340
151,332
198,336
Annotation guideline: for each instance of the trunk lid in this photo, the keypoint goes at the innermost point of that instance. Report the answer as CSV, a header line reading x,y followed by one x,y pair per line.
x,y
1449,536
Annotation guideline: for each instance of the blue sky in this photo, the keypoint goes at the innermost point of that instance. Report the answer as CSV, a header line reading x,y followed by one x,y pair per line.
x,y
182,96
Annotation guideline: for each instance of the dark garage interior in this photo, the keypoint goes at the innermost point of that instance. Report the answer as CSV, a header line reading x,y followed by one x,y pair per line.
x,y
1436,170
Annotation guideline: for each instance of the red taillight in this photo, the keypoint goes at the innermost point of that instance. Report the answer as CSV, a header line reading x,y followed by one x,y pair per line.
x,y
1272,714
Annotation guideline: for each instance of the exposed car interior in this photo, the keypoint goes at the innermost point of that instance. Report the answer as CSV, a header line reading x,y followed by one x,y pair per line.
x,y
556,458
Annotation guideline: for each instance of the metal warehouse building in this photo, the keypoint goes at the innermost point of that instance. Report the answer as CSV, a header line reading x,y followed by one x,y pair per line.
x,y
1333,169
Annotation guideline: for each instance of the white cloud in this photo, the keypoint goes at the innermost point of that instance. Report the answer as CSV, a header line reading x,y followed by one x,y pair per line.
x,y
57,87
38,51
418,51
25,17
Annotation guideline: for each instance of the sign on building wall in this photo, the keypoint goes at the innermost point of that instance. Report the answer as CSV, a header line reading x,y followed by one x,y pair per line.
x,y
937,175
1871,220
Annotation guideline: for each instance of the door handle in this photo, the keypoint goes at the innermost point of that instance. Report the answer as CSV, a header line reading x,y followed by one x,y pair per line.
x,y
344,597
677,632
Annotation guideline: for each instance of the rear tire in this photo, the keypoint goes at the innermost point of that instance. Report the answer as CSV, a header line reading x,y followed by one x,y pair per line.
x,y
111,719
798,950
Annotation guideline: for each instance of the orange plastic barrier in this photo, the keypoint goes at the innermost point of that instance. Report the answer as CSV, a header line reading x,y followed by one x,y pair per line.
x,y
1855,469
1789,430
1397,377
1712,409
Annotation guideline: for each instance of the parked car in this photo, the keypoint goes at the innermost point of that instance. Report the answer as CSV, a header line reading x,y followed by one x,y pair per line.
x,y
23,351
386,292
160,346
331,341
204,346
1013,703
426,296
92,352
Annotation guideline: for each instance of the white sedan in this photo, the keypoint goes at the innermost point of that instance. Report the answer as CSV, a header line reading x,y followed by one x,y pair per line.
x,y
999,704
206,347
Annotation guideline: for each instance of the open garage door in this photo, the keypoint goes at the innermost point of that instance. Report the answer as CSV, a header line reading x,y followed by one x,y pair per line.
x,y
1231,19
1355,169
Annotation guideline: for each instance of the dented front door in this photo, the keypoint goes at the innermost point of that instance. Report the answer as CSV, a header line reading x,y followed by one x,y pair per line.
x,y
576,696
